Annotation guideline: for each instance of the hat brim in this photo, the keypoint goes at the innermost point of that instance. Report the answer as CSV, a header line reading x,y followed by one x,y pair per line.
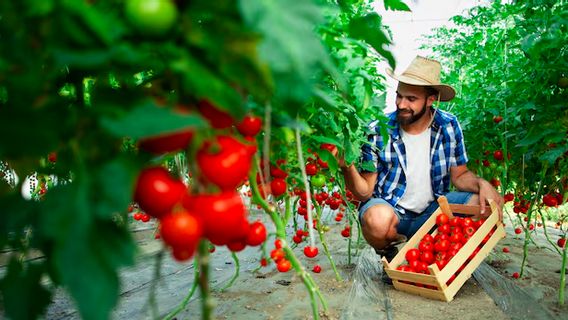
x,y
447,92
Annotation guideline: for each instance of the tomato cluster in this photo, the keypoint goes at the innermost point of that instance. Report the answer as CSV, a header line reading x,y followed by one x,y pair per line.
x,y
278,255
216,213
439,248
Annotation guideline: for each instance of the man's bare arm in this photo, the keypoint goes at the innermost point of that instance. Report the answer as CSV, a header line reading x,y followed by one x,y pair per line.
x,y
465,180
361,184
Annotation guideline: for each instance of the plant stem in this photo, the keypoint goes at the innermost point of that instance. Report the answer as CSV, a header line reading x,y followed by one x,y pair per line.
x,y
325,248
562,277
185,301
154,284
206,300
281,233
529,216
236,275
546,233
306,186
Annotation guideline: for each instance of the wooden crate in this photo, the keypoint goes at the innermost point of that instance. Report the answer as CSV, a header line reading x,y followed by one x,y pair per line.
x,y
434,286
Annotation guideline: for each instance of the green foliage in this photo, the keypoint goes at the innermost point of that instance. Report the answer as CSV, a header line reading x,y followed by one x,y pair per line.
x,y
81,79
506,60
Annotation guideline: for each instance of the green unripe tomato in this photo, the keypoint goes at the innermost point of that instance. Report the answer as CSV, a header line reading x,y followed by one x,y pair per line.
x,y
151,17
318,180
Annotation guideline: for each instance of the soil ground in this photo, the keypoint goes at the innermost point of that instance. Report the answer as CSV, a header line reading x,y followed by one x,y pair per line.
x,y
268,294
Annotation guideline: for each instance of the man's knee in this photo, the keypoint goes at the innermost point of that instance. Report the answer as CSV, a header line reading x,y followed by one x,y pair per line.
x,y
379,221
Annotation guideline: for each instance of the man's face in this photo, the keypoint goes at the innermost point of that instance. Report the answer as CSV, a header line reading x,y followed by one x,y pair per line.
x,y
411,103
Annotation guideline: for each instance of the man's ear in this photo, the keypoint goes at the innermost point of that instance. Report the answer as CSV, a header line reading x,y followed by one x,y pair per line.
x,y
430,99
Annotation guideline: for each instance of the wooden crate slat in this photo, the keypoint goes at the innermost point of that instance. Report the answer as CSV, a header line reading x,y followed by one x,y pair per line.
x,y
444,205
413,277
465,209
425,292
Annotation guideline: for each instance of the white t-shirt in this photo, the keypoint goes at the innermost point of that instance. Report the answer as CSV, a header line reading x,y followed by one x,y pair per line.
x,y
418,194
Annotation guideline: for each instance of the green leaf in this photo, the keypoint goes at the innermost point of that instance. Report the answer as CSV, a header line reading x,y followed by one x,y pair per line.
x,y
396,5
370,29
19,285
103,26
289,44
147,119
115,182
205,84
87,264
87,251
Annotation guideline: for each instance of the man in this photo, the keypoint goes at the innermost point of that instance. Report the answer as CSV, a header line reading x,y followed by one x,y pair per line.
x,y
424,152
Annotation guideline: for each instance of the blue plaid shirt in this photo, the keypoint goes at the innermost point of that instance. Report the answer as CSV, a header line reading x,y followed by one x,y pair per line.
x,y
447,150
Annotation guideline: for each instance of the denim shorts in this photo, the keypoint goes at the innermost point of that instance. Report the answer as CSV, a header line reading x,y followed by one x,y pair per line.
x,y
410,222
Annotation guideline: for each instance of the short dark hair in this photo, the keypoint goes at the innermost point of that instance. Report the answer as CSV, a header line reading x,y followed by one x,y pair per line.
x,y
430,91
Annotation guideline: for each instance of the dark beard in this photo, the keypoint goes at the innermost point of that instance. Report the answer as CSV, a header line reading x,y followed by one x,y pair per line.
x,y
413,117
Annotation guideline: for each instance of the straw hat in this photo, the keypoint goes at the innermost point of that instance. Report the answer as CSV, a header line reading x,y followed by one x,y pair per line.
x,y
425,72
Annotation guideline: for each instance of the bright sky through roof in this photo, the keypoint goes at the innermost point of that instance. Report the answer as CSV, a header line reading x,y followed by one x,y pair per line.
x,y
408,27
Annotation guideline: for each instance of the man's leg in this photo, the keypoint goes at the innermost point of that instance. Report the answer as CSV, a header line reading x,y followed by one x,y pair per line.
x,y
379,224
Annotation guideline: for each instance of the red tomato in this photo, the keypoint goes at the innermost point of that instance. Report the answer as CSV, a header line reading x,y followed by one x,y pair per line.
x,y
428,238
250,126
441,236
412,255
415,265
278,243
498,155
444,229
278,187
167,142
346,233
283,265
236,246
469,231
425,246
225,162
497,119
157,192
181,230
182,254
310,251
311,169
277,255
224,216
466,222
442,219
302,211
297,239
456,245
561,242
427,256
456,237
317,268
516,275
263,262
328,146
405,268
137,216
518,230
256,234
334,205
454,222
277,172
442,245
145,218
441,263
52,157
217,118
509,197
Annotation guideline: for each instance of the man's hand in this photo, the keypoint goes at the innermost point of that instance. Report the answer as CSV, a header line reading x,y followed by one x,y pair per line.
x,y
486,191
